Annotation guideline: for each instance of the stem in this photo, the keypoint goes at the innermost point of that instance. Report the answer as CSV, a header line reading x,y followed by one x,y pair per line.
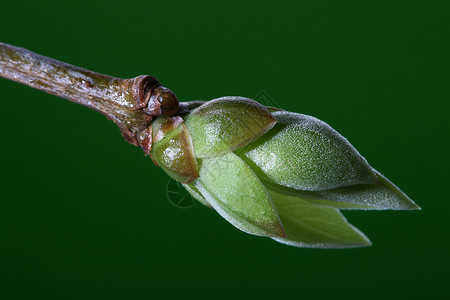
x,y
120,100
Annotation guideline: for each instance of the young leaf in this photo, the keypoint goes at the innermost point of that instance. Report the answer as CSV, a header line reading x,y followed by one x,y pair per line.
x,y
381,196
310,225
384,195
304,153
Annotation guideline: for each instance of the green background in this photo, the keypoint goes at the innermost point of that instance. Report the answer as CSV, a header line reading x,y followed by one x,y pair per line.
x,y
85,215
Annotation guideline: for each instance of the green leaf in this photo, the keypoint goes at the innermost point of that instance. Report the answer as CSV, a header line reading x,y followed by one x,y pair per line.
x,y
225,124
237,194
384,195
310,225
381,196
304,153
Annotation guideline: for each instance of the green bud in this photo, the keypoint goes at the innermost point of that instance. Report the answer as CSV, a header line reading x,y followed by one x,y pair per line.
x,y
273,173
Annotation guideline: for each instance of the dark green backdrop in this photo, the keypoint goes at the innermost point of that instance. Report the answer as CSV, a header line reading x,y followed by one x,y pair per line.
x,y
85,215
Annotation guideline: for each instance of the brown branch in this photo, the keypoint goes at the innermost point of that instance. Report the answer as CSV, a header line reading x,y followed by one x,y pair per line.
x,y
123,101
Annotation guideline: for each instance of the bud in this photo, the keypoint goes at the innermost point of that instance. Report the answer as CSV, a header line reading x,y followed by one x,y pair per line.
x,y
277,174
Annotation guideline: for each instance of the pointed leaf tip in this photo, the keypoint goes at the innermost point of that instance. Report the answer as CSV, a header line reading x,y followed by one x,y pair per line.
x,y
403,201
310,225
381,196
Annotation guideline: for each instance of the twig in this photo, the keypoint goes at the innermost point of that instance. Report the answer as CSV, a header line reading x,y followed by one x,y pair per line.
x,y
130,103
